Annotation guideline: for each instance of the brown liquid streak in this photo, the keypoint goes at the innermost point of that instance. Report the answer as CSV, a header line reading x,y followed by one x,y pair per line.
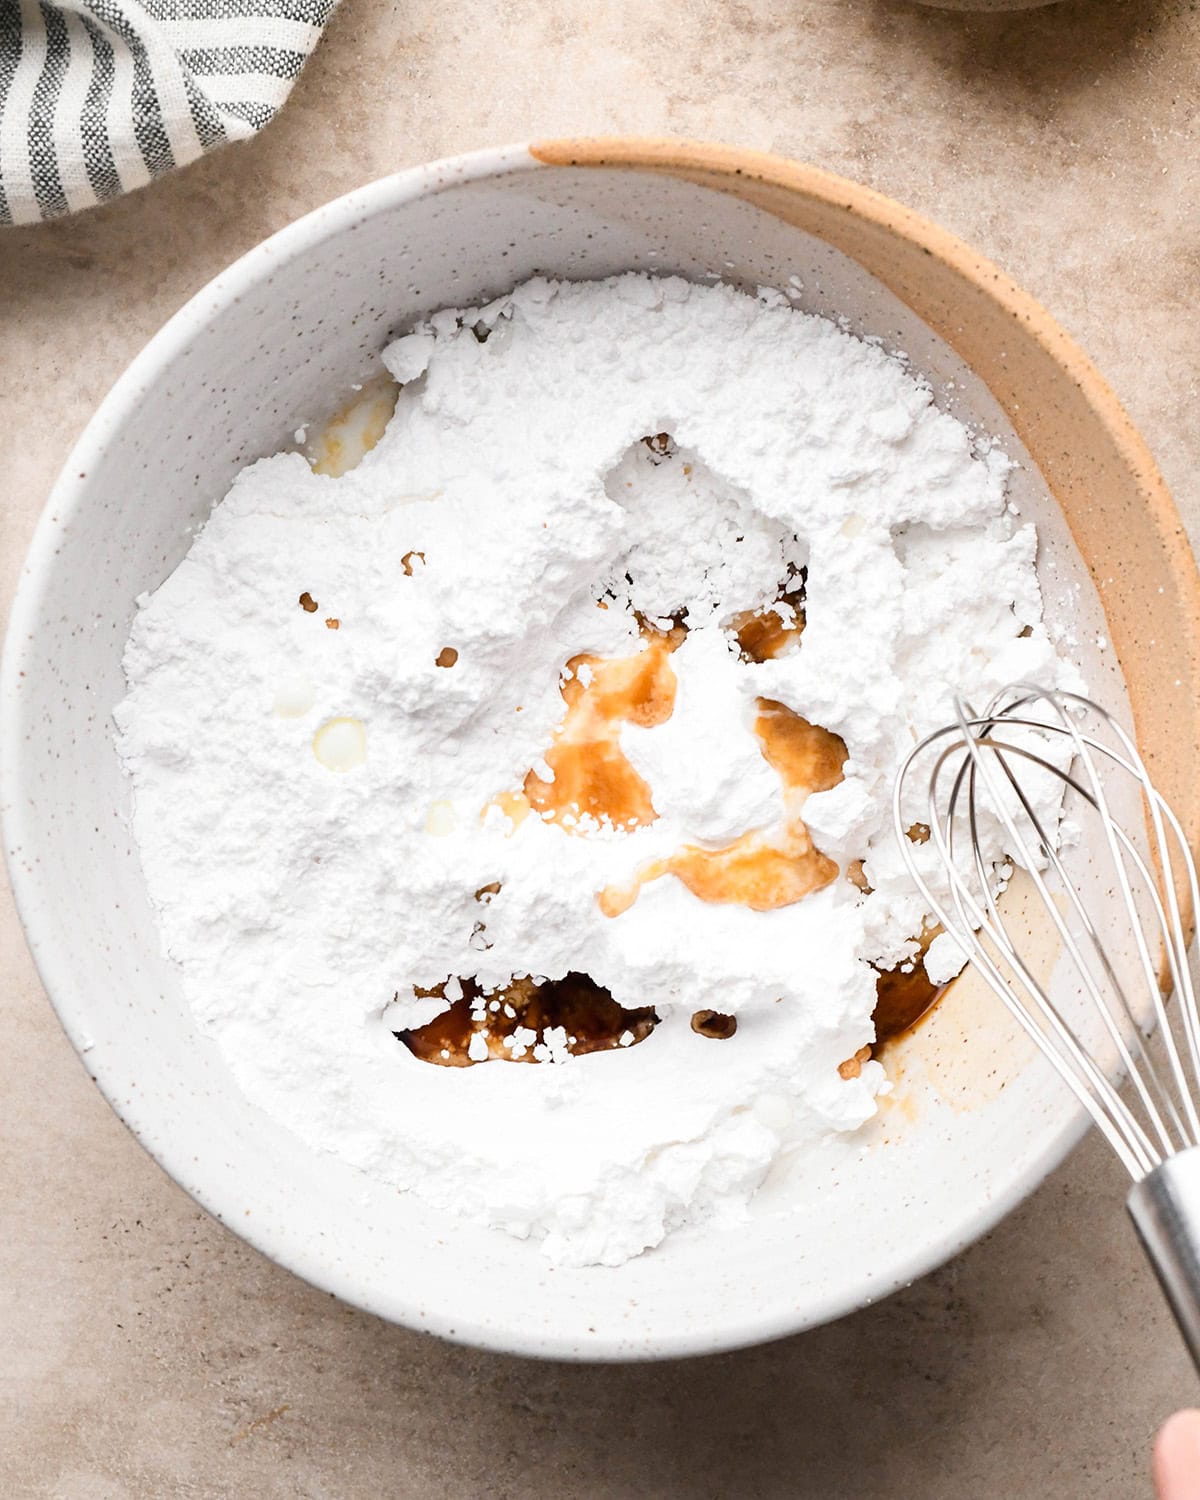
x,y
592,1019
593,777
764,635
901,999
759,870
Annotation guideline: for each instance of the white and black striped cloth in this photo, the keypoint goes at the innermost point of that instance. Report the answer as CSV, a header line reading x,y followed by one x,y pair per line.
x,y
99,96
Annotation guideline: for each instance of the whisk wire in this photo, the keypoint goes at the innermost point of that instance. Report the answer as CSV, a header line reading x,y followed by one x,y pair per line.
x,y
981,766
1148,1088
1079,1071
1171,931
1119,846
986,775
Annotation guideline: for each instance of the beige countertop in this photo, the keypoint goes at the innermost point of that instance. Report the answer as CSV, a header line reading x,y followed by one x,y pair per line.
x,y
145,1353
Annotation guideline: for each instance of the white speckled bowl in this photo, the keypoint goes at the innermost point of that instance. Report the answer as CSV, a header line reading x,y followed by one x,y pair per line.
x,y
279,338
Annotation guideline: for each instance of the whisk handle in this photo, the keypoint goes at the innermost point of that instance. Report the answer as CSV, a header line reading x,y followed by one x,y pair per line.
x,y
1165,1208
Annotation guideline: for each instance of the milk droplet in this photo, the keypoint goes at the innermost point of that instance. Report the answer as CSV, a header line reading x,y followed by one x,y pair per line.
x,y
441,819
294,697
341,744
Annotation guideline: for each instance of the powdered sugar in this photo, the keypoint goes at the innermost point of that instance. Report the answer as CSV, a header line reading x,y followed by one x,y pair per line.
x,y
305,891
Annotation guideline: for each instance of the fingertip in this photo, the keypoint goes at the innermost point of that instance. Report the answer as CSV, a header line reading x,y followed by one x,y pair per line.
x,y
1177,1457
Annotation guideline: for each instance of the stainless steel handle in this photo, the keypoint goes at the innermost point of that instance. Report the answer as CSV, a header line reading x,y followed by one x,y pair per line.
x,y
1165,1208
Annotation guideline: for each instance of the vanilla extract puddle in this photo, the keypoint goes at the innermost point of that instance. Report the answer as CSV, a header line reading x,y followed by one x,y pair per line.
x,y
511,1023
594,1022
766,634
902,998
763,870
592,781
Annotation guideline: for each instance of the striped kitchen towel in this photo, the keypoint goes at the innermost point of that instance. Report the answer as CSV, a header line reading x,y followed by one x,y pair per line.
x,y
99,96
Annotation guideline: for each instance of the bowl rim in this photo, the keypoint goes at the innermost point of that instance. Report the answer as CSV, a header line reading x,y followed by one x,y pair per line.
x,y
36,912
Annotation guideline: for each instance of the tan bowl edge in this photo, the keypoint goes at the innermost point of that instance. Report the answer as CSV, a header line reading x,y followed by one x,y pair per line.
x,y
1094,460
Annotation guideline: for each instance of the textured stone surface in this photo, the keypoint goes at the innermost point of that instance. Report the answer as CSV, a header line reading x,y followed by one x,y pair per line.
x,y
144,1352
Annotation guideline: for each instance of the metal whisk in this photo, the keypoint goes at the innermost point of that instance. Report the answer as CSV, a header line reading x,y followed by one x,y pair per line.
x,y
1113,998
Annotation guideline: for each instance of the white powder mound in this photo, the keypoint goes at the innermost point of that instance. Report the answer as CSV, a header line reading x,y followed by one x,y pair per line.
x,y
512,492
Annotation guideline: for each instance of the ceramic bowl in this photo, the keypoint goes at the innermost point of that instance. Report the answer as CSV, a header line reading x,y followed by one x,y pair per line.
x,y
975,1122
